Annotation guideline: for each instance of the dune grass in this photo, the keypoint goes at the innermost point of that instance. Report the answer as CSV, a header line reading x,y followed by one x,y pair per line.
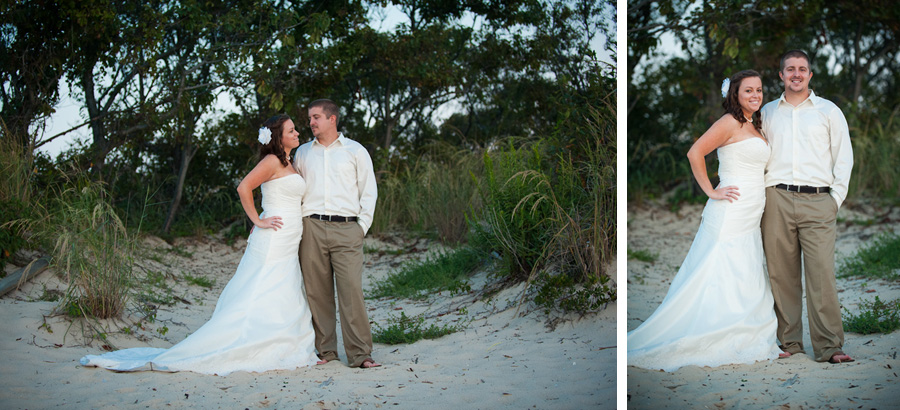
x,y
643,255
443,271
430,194
404,329
874,317
880,258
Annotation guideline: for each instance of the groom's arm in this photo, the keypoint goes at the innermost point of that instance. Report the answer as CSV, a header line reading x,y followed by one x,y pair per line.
x,y
368,192
841,154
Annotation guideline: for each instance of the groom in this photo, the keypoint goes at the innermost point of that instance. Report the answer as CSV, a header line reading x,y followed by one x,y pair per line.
x,y
806,182
337,212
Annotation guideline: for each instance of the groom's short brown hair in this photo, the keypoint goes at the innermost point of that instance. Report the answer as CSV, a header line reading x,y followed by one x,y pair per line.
x,y
328,107
793,54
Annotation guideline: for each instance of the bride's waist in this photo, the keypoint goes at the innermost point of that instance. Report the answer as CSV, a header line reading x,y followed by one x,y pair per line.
x,y
282,210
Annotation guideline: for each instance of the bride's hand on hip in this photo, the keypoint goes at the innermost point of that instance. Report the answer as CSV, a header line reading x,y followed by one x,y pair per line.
x,y
729,193
273,222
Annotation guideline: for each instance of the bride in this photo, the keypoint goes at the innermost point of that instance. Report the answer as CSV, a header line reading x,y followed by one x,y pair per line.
x,y
261,321
719,308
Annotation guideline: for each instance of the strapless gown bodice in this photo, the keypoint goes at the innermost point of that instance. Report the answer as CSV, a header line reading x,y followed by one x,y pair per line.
x,y
261,321
719,308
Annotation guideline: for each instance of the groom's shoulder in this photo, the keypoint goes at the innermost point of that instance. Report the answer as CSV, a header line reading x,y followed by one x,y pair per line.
x,y
306,146
771,105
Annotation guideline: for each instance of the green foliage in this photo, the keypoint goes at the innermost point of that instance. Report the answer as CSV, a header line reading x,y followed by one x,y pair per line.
x,y
404,329
517,232
88,243
876,154
10,239
561,293
443,271
874,317
201,281
880,258
430,193
642,255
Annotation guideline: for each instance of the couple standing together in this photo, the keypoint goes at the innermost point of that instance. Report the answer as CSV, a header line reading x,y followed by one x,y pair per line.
x,y
262,320
784,172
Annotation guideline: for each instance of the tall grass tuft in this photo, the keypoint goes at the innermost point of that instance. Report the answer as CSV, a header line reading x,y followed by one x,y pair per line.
x,y
89,244
431,193
876,153
16,172
553,218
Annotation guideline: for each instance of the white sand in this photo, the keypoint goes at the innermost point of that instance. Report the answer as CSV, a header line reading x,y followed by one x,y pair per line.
x,y
795,383
501,360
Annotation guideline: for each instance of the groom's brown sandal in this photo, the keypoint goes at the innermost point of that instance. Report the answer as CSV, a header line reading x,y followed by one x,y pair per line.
x,y
840,357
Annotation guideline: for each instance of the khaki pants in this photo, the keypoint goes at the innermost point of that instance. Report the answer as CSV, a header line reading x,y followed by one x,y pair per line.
x,y
331,253
793,223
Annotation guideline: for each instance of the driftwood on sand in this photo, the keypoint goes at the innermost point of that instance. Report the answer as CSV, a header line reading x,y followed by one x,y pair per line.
x,y
20,276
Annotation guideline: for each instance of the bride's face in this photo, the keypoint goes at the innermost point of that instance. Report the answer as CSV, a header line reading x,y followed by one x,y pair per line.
x,y
750,94
290,138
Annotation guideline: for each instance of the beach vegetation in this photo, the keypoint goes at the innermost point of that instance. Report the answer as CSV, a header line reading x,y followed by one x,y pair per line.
x,y
405,329
417,279
201,281
642,255
879,258
875,316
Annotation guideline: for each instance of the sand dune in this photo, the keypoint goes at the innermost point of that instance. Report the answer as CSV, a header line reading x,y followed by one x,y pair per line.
x,y
501,359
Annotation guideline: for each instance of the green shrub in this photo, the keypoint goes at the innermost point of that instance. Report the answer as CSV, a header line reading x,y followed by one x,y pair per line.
x,y
406,329
874,317
443,271
879,259
11,239
562,293
642,255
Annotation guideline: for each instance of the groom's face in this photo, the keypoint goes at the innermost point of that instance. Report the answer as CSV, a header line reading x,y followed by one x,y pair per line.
x,y
796,75
319,122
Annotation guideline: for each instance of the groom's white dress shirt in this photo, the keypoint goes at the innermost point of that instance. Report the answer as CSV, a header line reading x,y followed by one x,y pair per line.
x,y
340,179
810,145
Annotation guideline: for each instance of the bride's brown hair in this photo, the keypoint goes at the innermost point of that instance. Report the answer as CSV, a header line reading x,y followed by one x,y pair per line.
x,y
731,104
274,147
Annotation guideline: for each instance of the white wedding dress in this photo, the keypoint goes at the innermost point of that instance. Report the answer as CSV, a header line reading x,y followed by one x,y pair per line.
x,y
719,308
261,321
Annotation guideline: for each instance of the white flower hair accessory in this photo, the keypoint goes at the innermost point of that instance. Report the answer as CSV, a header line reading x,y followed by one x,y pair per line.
x,y
725,84
265,135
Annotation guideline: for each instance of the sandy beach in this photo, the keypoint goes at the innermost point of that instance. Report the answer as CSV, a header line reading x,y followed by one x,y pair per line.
x,y
794,383
502,359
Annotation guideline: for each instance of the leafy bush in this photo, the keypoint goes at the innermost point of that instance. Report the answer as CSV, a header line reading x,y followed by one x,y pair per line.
x,y
406,329
11,239
879,259
445,270
562,293
874,317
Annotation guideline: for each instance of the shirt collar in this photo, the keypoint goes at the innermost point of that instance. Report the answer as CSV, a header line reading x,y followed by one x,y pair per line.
x,y
813,99
340,139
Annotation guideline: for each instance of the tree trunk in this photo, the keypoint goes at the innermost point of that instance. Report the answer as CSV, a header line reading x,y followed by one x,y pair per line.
x,y
100,146
187,154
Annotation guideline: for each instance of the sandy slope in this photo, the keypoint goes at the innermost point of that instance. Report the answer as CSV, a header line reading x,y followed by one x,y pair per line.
x,y
501,360
795,383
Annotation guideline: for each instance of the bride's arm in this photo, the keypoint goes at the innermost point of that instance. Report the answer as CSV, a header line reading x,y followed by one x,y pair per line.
x,y
713,138
261,173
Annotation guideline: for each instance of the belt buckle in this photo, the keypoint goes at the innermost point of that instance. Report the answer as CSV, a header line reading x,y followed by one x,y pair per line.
x,y
796,188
